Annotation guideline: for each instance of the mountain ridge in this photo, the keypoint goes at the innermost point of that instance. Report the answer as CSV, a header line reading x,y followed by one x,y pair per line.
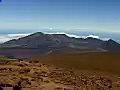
x,y
61,43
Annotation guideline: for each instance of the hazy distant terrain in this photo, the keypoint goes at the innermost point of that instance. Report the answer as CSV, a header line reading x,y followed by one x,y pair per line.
x,y
45,44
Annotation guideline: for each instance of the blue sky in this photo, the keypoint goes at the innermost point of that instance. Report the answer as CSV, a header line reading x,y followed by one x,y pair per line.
x,y
65,15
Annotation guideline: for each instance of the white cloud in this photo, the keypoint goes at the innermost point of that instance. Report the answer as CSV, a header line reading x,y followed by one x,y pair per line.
x,y
70,35
51,28
105,39
76,36
11,36
94,36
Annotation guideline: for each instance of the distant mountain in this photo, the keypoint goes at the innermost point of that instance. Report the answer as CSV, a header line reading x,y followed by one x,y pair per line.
x,y
38,40
61,43
111,45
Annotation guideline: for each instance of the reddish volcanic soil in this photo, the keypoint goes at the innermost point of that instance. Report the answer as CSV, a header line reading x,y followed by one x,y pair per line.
x,y
95,71
108,62
32,75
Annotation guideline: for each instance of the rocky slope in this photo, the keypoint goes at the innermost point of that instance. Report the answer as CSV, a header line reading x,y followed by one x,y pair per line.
x,y
32,75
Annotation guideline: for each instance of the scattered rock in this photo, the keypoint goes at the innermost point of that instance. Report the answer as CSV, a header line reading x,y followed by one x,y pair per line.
x,y
25,75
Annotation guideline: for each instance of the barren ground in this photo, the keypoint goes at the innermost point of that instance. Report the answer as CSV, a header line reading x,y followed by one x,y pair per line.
x,y
34,75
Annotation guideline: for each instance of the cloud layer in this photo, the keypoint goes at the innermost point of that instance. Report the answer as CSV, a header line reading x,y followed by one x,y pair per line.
x,y
77,36
4,38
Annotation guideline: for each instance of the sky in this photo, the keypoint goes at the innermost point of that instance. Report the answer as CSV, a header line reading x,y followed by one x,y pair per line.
x,y
56,15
